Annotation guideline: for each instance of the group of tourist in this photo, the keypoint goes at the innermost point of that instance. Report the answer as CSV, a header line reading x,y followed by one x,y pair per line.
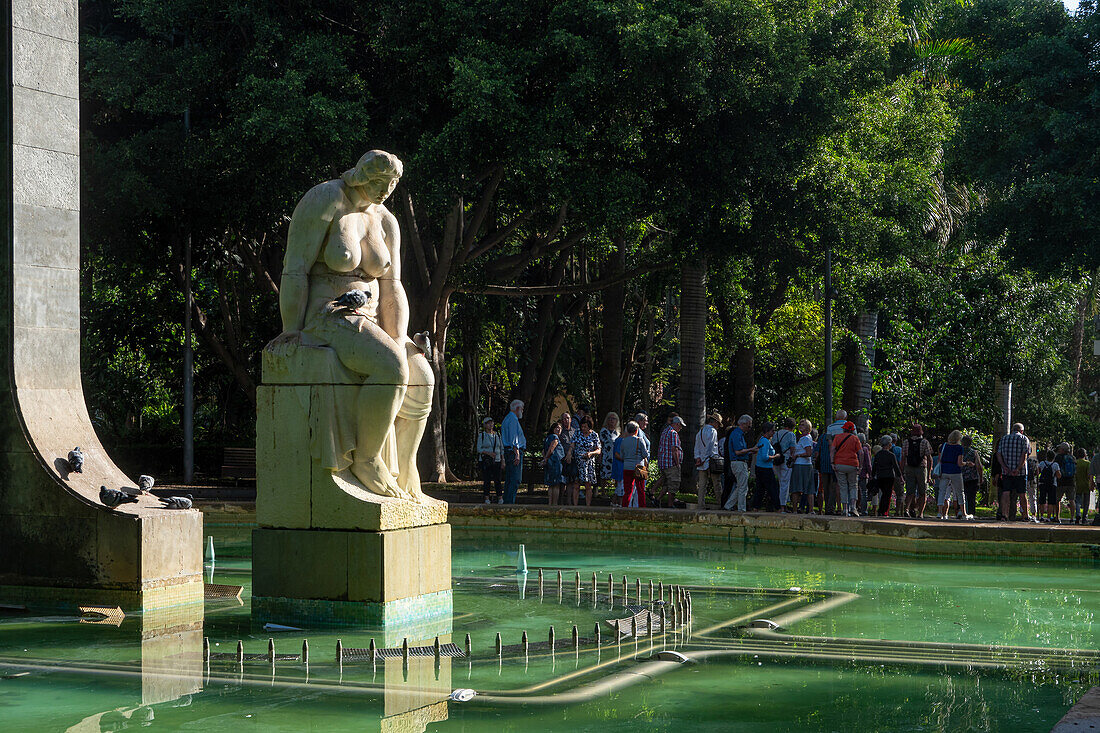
x,y
789,467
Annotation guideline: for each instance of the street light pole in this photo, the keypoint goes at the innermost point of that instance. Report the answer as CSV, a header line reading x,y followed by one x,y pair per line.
x,y
188,355
828,333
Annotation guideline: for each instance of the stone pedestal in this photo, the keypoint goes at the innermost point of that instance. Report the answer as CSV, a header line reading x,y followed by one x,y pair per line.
x,y
398,580
329,552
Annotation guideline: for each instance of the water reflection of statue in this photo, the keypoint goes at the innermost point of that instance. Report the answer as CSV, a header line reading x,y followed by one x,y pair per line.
x,y
342,239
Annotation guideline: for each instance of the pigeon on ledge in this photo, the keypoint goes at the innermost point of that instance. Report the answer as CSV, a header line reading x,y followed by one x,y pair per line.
x,y
113,497
145,482
76,460
176,502
353,299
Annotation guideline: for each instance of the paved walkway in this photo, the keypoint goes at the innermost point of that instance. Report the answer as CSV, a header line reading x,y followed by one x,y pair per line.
x,y
907,536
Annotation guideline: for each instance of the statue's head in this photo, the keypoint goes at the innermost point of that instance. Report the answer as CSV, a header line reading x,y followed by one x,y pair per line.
x,y
375,175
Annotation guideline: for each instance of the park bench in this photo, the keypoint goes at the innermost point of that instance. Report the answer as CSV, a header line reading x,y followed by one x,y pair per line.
x,y
239,463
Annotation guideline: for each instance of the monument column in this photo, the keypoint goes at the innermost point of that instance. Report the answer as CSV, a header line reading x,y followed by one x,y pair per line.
x,y
54,531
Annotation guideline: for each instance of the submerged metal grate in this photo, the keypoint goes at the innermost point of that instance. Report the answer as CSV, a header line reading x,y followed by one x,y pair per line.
x,y
445,650
232,657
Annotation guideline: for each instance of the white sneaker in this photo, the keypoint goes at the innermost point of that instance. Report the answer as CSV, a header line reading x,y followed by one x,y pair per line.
x,y
970,517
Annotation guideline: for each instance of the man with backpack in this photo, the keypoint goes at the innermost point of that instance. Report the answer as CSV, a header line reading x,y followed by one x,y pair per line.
x,y
916,467
1049,473
1067,483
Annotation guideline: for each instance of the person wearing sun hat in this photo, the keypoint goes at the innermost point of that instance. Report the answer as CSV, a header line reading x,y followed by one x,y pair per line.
x,y
844,452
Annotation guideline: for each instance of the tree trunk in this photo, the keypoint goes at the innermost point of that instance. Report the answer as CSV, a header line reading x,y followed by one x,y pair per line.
x,y
432,457
471,372
645,388
692,397
1077,341
544,319
858,373
1003,426
609,397
533,418
744,381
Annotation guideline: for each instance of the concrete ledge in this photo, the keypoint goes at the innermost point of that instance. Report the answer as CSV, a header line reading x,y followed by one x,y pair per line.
x,y
154,602
891,536
1084,716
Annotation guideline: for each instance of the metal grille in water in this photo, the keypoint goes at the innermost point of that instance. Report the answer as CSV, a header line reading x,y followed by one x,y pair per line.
x,y
232,657
445,650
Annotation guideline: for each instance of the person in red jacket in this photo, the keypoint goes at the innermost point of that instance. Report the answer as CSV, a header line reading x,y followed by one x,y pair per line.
x,y
845,454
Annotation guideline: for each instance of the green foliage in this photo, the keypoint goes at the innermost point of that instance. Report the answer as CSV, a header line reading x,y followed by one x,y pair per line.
x,y
944,150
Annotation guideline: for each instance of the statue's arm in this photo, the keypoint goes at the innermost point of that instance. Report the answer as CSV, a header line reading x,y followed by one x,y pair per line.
x,y
308,226
393,303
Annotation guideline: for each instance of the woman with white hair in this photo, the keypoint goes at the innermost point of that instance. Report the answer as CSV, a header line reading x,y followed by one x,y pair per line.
x,y
885,471
634,453
609,433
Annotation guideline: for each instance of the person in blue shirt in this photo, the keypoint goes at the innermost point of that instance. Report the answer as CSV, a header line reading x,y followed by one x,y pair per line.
x,y
767,487
514,445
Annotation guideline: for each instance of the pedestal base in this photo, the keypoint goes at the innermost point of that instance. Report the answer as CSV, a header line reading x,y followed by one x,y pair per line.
x,y
420,618
385,580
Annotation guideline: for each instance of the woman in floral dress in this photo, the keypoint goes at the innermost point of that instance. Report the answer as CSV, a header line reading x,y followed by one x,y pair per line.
x,y
586,449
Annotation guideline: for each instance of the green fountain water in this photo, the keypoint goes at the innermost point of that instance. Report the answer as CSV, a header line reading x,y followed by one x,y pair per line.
x,y
824,670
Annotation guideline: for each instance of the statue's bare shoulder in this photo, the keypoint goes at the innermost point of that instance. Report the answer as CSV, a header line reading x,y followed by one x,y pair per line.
x,y
390,228
325,200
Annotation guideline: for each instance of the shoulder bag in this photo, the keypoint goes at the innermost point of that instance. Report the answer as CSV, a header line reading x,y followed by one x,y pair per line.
x,y
717,463
641,468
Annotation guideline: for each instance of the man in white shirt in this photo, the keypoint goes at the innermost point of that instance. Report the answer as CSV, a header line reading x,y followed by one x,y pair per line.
x,y
837,426
706,450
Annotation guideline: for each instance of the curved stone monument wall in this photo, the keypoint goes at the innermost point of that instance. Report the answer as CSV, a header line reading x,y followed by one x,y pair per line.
x,y
54,531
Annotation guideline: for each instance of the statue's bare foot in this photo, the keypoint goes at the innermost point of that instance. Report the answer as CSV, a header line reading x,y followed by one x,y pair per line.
x,y
373,474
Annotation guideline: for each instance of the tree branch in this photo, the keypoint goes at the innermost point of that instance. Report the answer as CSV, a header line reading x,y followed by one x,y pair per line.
x,y
520,291
492,240
509,267
202,326
404,200
469,236
257,265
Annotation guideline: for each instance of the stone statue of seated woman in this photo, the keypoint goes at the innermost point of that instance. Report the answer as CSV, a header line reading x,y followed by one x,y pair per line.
x,y
345,317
